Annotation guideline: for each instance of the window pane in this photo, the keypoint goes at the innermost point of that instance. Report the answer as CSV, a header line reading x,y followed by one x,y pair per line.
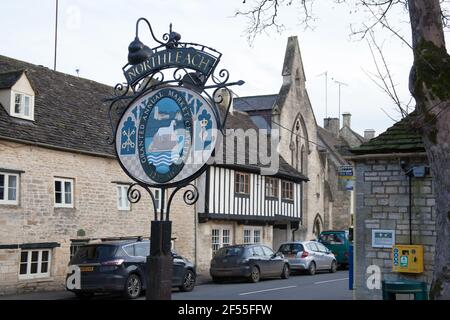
x,y
45,256
12,186
18,99
158,199
68,192
34,256
26,110
58,197
226,237
23,268
23,257
44,267
247,236
256,236
34,266
58,186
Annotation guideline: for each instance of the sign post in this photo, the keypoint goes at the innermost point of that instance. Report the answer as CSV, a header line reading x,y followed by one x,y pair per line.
x,y
167,132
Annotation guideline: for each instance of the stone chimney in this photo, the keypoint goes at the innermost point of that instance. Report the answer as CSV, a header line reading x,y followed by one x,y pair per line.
x,y
332,125
346,117
369,134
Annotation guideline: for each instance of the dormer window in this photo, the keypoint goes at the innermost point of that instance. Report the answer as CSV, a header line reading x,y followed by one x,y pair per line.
x,y
23,105
17,94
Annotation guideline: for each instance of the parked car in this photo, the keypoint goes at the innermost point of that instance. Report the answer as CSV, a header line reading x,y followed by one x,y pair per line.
x,y
251,261
119,266
308,256
338,242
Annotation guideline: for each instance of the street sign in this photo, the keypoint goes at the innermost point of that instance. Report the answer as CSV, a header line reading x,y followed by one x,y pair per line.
x,y
383,238
346,172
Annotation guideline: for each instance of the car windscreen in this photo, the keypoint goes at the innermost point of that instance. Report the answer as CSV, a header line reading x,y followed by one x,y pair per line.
x,y
332,238
229,251
290,248
94,252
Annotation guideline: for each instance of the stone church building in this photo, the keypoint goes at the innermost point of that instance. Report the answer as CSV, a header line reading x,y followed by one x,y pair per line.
x,y
315,151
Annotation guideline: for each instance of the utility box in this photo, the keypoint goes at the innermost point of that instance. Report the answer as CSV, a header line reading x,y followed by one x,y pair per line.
x,y
407,258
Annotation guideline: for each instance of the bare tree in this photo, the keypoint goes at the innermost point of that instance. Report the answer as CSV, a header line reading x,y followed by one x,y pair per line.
x,y
429,84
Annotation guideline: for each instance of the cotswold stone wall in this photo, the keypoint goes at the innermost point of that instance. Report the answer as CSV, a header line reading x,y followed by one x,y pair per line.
x,y
382,202
35,219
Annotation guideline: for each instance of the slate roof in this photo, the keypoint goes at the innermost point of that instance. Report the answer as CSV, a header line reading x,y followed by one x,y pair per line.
x,y
70,115
338,146
239,119
255,103
68,111
401,137
8,79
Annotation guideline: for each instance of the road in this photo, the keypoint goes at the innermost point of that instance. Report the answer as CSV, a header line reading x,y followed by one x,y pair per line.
x,y
326,286
320,286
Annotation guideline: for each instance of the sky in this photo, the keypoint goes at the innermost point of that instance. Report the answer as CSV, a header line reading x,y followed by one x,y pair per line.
x,y
93,37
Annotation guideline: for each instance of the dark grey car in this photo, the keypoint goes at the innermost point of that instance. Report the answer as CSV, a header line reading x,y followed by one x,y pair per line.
x,y
119,266
251,261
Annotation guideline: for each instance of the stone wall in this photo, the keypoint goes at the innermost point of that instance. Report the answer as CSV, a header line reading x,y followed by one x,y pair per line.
x,y
95,211
382,202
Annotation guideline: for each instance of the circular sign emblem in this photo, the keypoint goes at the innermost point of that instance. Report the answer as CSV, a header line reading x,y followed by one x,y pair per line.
x,y
166,136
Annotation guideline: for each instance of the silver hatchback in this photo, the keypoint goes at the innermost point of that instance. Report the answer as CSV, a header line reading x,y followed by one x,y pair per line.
x,y
308,256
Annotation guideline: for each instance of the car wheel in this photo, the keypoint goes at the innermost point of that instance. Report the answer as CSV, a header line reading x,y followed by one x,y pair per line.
x,y
188,281
133,287
84,295
255,276
286,271
312,268
333,266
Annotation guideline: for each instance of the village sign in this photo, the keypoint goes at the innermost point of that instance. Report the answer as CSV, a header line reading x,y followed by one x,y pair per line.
x,y
167,131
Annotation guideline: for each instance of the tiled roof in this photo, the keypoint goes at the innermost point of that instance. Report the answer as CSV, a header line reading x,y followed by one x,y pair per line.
x,y
401,137
336,144
8,79
68,111
255,103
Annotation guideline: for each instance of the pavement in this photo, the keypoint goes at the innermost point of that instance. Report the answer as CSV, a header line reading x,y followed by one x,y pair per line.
x,y
323,286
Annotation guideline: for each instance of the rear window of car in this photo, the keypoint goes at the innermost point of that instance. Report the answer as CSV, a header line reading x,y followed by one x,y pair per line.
x,y
332,238
290,248
229,251
94,252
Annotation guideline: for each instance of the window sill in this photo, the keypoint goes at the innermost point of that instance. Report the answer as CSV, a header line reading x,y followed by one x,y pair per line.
x,y
37,279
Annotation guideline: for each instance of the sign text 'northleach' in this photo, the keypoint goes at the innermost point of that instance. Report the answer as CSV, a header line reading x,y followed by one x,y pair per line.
x,y
182,57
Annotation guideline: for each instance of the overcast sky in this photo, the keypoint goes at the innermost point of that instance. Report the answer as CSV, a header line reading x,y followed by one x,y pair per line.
x,y
94,37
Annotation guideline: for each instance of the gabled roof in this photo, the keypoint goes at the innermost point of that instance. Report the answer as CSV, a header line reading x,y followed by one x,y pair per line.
x,y
255,103
291,48
9,79
401,137
68,111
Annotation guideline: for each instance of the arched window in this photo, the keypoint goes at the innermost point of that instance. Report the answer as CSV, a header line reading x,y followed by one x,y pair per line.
x,y
317,226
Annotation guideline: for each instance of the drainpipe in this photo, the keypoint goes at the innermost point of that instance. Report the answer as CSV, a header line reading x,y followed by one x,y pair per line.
x,y
410,207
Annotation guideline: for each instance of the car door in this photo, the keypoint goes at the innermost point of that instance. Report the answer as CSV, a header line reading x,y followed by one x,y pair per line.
x,y
314,250
327,256
260,259
274,262
140,252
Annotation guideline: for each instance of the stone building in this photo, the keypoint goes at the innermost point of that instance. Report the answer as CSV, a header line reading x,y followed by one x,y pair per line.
x,y
314,151
384,167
